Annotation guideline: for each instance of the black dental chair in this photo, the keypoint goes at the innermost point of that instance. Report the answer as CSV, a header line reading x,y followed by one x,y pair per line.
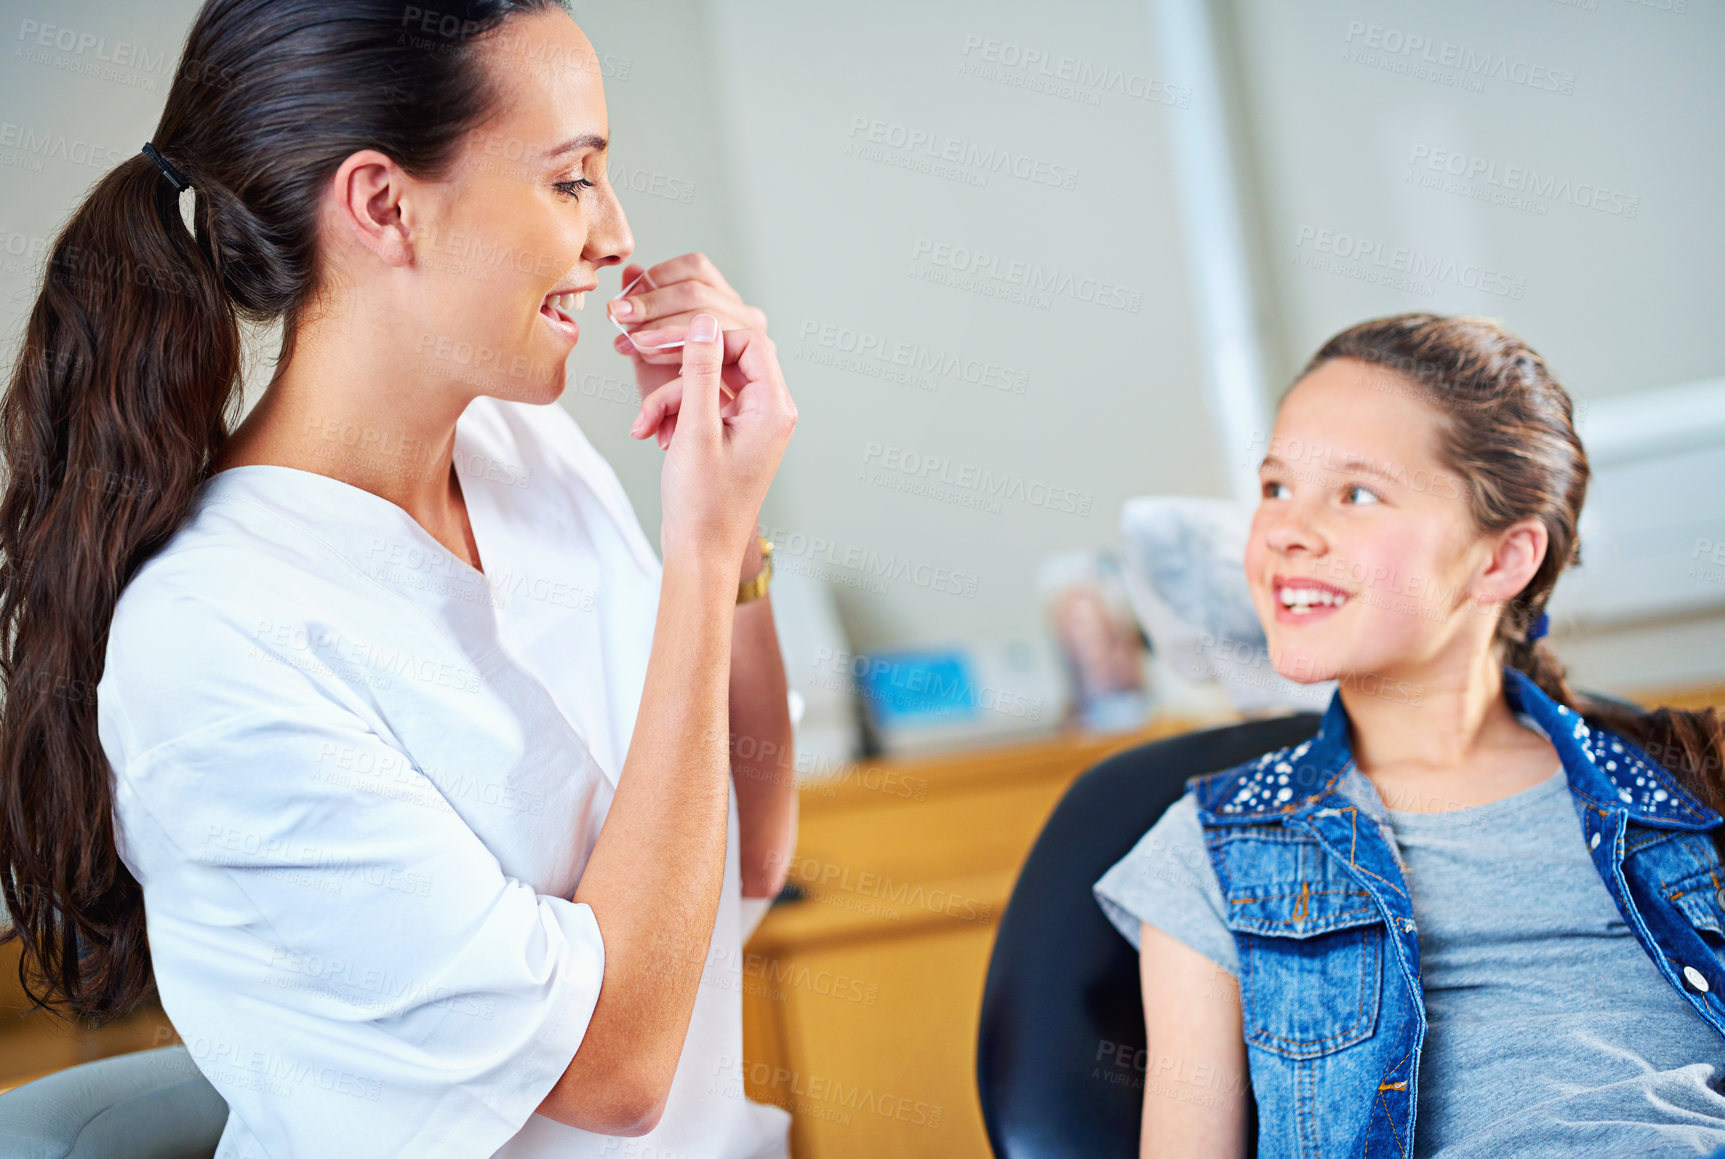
x,y
1062,1021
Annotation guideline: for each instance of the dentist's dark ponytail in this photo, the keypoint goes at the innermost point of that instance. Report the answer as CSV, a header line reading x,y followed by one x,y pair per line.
x,y
1509,435
129,367
128,382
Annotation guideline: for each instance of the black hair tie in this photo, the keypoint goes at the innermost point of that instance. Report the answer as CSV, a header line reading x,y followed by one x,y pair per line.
x,y
181,184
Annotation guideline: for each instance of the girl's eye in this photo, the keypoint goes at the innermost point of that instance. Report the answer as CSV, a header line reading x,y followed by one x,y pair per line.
x,y
1359,496
1274,490
573,188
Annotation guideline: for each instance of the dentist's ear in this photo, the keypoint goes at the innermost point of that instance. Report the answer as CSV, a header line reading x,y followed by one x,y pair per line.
x,y
1517,553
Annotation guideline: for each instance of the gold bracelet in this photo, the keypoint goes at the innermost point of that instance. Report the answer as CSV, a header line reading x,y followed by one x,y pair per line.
x,y
757,587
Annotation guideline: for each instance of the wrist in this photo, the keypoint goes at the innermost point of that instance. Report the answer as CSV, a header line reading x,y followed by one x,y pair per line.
x,y
709,574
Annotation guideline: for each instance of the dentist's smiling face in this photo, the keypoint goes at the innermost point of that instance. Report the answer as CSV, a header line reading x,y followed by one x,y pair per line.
x,y
1363,554
525,221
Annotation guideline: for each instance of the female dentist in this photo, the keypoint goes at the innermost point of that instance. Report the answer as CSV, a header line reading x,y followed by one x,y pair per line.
x,y
374,724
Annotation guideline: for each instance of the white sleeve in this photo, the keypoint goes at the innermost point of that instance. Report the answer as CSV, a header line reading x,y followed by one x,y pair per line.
x,y
351,969
753,909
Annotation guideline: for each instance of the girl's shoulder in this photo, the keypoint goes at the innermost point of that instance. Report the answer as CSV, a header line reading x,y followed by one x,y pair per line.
x,y
1265,786
1166,879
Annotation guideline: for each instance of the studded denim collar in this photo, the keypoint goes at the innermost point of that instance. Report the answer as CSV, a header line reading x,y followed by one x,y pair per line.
x,y
1604,769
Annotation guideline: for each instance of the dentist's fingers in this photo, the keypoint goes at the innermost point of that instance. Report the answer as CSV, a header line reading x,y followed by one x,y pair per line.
x,y
667,296
696,266
703,362
676,305
663,409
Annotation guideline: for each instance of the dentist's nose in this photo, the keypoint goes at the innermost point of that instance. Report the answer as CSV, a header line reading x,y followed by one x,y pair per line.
x,y
609,241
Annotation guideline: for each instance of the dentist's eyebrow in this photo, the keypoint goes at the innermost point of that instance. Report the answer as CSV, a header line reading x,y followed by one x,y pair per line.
x,y
586,141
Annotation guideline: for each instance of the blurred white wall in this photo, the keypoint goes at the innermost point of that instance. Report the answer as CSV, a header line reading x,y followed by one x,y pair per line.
x,y
1587,195
875,152
67,116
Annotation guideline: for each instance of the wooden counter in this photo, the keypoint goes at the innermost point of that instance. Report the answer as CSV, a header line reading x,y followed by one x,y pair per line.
x,y
861,1001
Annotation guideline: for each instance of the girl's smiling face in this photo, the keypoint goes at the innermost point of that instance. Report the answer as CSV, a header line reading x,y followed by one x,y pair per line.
x,y
1364,557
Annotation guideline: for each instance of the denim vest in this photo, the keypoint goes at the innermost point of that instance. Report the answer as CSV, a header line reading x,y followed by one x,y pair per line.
x,y
1330,996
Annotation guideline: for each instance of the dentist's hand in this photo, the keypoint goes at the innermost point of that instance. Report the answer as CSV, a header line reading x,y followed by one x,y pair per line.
x,y
722,453
686,285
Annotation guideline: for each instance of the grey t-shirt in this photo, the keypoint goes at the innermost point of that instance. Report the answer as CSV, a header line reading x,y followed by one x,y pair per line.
x,y
1551,1032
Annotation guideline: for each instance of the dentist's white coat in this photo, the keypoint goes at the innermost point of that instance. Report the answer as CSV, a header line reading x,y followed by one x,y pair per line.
x,y
359,782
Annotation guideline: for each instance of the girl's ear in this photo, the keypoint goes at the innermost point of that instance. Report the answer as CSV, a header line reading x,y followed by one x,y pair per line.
x,y
1515,558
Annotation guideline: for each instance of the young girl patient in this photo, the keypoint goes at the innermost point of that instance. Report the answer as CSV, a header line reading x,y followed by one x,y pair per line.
x,y
1475,915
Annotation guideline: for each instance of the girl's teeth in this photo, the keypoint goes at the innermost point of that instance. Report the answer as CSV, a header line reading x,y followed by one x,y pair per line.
x,y
1303,600
580,299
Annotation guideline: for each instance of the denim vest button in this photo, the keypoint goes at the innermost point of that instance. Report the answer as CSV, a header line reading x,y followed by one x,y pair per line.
x,y
1593,843
1695,979
1719,896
